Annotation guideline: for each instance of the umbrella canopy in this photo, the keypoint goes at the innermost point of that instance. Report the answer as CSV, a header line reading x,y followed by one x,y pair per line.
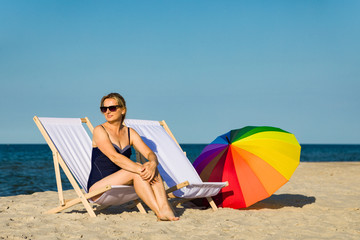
x,y
256,161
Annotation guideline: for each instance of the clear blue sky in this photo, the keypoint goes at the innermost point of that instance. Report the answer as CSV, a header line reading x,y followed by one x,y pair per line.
x,y
206,67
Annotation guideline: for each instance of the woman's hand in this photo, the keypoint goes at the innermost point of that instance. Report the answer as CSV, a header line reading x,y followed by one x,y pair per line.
x,y
149,171
140,168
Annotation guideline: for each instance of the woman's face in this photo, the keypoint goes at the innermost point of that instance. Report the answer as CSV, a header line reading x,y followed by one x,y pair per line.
x,y
113,116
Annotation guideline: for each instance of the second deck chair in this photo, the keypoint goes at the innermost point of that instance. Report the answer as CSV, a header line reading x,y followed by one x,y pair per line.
x,y
174,167
71,147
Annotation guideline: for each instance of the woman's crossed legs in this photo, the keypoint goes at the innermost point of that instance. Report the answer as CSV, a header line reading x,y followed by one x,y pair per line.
x,y
153,195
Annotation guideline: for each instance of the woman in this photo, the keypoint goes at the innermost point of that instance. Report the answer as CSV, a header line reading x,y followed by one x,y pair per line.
x,y
110,163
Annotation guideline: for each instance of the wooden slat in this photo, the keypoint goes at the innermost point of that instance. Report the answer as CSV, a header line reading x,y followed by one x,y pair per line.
x,y
212,203
177,187
167,129
58,179
140,206
88,124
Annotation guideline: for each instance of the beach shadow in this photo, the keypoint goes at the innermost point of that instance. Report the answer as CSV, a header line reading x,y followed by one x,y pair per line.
x,y
115,210
283,200
125,208
272,202
111,210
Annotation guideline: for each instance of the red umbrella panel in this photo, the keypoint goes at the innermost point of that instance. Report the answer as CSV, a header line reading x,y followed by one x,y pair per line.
x,y
256,161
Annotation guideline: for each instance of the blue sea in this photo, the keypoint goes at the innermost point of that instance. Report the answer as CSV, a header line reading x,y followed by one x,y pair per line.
x,y
29,168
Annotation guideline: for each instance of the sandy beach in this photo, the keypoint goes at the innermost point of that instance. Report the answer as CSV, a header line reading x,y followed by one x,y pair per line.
x,y
321,201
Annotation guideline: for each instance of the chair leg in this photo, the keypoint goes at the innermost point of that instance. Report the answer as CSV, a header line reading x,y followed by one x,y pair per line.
x,y
212,203
58,179
140,207
137,203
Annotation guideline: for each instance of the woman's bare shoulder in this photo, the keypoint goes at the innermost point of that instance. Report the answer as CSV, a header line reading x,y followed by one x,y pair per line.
x,y
99,131
99,128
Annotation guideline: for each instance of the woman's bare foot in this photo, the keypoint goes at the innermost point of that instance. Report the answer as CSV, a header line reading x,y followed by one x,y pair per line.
x,y
166,214
168,219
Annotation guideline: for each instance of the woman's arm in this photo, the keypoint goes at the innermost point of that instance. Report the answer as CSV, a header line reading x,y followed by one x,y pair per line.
x,y
102,141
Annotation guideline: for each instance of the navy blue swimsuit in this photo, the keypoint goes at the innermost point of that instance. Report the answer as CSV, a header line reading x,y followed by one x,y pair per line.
x,y
102,166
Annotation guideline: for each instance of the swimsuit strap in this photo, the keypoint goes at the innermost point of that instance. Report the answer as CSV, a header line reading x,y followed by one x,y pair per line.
x,y
105,130
129,134
106,133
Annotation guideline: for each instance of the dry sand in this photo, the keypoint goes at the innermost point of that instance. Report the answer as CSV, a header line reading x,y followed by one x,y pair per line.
x,y
321,201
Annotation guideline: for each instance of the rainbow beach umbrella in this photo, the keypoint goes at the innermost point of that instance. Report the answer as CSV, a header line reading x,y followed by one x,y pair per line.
x,y
256,161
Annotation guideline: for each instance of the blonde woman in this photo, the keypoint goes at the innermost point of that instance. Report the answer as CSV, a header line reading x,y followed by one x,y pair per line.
x,y
111,164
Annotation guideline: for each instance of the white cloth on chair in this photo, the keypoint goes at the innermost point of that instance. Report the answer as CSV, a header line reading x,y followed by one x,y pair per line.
x,y
174,166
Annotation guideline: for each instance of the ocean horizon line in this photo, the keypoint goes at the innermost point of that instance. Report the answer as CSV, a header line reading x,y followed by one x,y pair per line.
x,y
196,144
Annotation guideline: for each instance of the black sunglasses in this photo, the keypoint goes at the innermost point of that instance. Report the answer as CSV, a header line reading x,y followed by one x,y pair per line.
x,y
111,108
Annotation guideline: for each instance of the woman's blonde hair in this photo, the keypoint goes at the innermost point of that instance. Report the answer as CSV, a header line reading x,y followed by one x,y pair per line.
x,y
120,100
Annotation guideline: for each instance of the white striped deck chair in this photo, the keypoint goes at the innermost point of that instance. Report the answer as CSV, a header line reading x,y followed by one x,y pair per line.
x,y
71,147
174,167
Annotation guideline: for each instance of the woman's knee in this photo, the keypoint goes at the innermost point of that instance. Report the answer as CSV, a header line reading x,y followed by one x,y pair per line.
x,y
132,176
136,176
